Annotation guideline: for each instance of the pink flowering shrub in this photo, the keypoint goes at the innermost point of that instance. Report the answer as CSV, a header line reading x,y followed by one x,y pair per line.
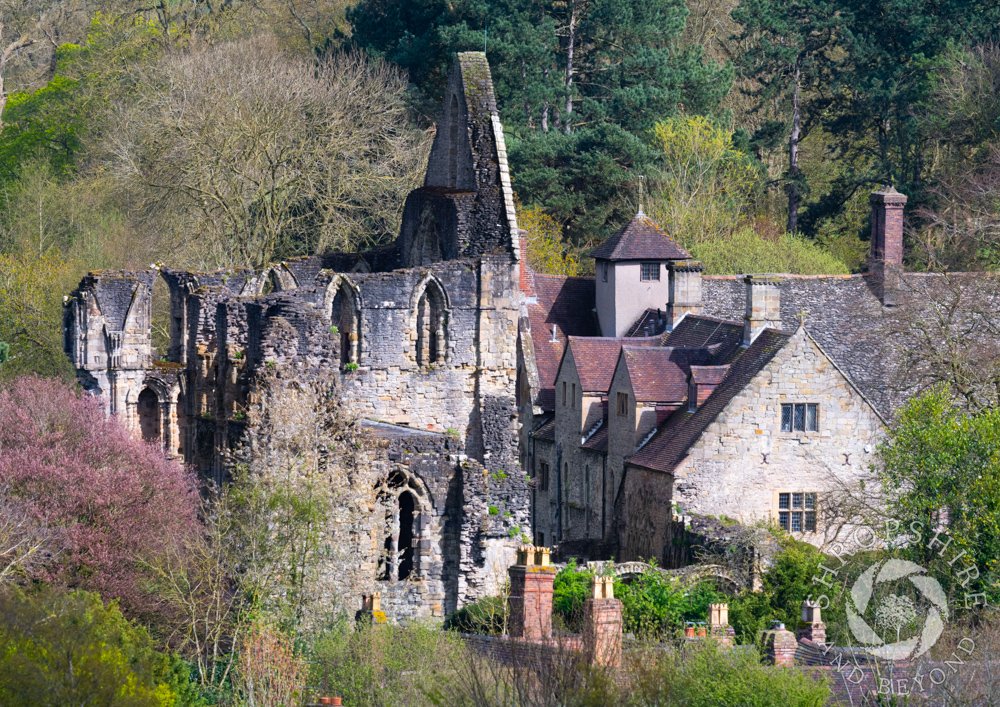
x,y
114,501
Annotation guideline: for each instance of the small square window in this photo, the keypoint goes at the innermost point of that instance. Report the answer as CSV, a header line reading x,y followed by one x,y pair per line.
x,y
649,271
797,511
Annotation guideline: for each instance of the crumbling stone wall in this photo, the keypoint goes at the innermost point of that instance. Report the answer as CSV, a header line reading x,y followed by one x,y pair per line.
x,y
451,419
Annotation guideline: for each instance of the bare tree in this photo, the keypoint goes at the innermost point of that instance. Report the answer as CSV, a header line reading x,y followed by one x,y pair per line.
x,y
241,153
25,544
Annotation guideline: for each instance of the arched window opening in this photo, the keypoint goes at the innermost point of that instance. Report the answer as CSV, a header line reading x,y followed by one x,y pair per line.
x,y
399,558
346,318
431,326
148,406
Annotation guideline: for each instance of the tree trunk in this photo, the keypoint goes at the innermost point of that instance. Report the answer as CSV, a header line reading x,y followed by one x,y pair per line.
x,y
6,55
570,47
793,157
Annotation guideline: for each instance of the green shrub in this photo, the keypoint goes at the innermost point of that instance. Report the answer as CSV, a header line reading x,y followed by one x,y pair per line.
x,y
570,590
383,665
485,616
704,675
745,251
67,647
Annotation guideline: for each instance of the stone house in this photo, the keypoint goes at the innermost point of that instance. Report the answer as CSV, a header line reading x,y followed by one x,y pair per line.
x,y
422,336
751,397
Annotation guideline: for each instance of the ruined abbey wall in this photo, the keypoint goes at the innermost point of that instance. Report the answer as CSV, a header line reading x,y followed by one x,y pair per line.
x,y
422,337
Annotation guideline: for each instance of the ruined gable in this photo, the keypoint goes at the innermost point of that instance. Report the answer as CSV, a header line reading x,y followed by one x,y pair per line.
x,y
466,206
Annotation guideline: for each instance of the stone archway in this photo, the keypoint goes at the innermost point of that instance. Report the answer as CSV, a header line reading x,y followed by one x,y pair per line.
x,y
150,417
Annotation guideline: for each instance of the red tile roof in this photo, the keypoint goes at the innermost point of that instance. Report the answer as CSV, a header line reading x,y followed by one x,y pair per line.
x,y
567,303
641,239
596,357
660,375
676,436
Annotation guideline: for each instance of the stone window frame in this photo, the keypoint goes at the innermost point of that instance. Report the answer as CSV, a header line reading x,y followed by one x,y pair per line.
x,y
333,290
391,487
649,271
543,476
785,502
444,334
622,404
792,428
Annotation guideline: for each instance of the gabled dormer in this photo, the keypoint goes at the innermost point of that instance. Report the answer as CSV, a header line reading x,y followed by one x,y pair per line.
x,y
634,271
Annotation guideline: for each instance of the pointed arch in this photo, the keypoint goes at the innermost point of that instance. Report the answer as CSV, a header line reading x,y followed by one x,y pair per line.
x,y
431,312
405,503
345,315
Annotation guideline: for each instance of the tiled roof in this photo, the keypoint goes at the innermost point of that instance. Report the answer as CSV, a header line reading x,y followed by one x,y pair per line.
x,y
650,323
595,358
546,431
598,441
641,239
883,350
660,374
698,330
567,303
682,429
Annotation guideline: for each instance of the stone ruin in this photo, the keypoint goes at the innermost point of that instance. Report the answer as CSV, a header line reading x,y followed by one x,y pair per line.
x,y
423,335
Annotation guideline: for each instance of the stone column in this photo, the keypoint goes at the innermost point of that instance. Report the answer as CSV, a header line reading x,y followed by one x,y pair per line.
x,y
602,624
812,627
530,599
780,646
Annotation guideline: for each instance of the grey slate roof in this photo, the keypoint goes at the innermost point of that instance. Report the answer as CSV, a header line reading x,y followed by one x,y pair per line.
x,y
883,350
641,239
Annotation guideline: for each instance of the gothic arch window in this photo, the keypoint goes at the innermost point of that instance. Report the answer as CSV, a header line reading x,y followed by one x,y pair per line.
x,y
148,407
346,317
399,555
432,325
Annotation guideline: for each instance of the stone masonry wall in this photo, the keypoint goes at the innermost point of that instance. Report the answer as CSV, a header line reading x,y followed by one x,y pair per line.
x,y
743,459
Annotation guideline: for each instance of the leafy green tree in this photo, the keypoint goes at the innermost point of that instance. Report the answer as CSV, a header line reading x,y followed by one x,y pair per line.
x,y
940,468
788,56
62,647
580,84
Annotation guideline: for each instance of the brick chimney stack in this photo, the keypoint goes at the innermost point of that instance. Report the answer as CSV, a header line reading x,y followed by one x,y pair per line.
x,y
780,646
602,624
763,308
530,599
885,262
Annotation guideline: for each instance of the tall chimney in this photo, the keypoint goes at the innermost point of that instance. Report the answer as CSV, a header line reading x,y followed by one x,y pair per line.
x,y
886,260
684,290
763,308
